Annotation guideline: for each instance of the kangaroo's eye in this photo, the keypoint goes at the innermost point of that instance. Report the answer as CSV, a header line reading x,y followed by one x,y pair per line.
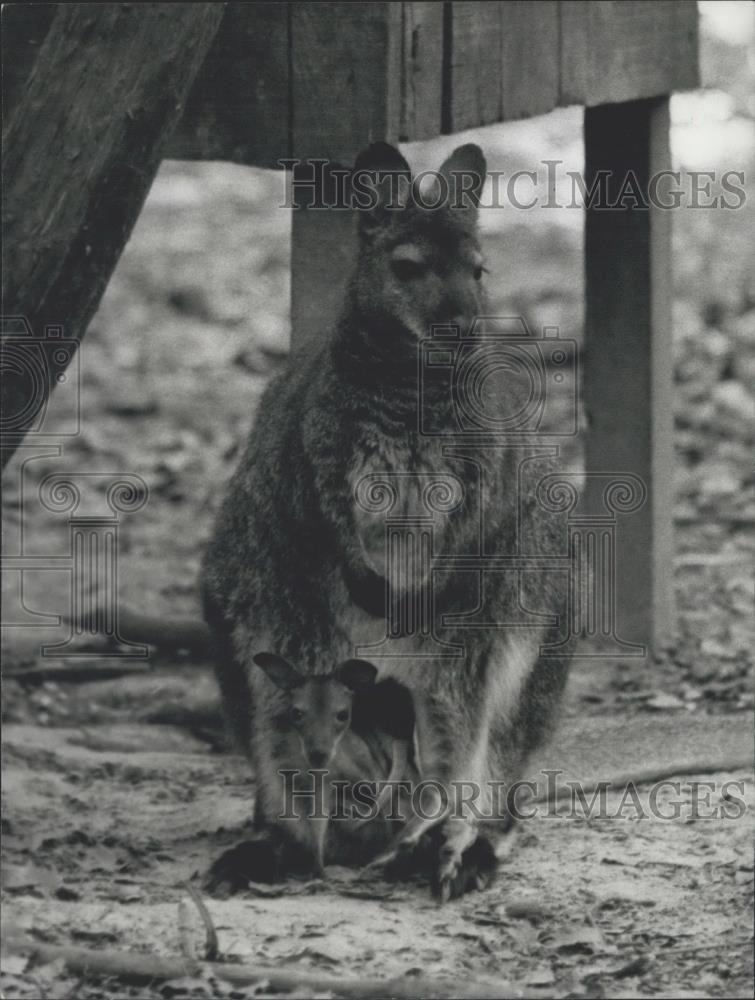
x,y
343,715
478,272
406,269
296,714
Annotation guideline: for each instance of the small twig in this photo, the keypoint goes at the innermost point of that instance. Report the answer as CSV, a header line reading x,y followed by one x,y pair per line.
x,y
78,672
211,947
649,776
164,633
138,968
693,949
185,941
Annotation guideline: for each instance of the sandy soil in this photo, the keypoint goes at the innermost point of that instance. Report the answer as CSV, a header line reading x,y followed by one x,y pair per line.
x,y
102,824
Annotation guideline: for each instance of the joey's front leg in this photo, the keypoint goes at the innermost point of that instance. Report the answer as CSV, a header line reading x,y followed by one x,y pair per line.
x,y
279,847
300,807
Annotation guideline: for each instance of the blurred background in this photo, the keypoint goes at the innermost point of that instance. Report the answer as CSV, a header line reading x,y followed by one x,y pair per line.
x,y
196,319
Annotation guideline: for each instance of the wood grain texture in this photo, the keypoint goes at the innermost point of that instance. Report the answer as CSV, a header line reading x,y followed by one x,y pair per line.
x,y
619,50
421,70
319,74
346,78
323,251
476,63
81,149
530,73
239,107
342,100
24,27
628,390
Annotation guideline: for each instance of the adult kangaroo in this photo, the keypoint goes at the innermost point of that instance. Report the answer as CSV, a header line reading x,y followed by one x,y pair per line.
x,y
350,515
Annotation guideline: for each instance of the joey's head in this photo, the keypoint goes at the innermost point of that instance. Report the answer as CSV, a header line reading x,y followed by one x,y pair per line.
x,y
318,706
419,263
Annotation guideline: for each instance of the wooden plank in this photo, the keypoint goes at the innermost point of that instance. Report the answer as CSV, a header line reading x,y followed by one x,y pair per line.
x,y
627,367
81,149
24,29
622,50
346,82
575,58
342,101
422,71
323,250
443,67
239,106
476,54
530,74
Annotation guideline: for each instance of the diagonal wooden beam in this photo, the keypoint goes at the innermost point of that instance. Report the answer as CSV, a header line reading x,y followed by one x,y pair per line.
x,y
80,152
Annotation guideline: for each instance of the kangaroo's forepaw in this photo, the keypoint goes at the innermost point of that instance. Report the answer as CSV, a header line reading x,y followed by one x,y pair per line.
x,y
405,844
249,861
408,863
398,853
460,872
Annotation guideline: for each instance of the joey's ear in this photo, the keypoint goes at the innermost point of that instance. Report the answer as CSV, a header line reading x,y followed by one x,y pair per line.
x,y
356,674
279,671
381,182
465,172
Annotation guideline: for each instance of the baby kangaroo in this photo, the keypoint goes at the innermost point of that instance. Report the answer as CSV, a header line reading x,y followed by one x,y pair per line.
x,y
316,710
334,738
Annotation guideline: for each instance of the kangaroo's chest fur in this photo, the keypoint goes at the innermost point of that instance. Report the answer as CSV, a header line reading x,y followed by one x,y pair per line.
x,y
402,483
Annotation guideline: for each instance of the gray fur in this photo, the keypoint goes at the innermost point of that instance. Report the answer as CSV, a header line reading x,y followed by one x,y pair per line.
x,y
297,566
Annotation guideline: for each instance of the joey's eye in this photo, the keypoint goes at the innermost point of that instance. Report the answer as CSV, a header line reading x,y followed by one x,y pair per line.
x,y
406,269
478,272
296,714
343,715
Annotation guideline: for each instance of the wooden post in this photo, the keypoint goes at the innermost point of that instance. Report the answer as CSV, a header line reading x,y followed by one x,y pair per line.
x,y
328,46
323,250
81,149
627,367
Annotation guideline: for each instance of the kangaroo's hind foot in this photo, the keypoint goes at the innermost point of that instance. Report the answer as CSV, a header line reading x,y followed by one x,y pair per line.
x,y
462,869
257,860
266,857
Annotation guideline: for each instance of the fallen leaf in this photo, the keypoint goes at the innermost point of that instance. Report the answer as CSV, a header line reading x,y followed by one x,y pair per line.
x,y
525,909
13,964
540,975
664,702
583,939
30,876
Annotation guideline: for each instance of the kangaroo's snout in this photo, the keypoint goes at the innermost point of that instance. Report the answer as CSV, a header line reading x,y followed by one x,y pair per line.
x,y
318,758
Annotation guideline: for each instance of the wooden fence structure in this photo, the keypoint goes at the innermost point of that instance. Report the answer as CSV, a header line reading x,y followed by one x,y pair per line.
x,y
94,96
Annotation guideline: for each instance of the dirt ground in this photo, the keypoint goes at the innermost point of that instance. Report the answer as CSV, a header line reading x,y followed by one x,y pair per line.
x,y
108,806
104,821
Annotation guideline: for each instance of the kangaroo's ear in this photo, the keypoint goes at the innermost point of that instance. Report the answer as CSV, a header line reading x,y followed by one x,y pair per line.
x,y
381,182
381,156
465,172
356,674
280,671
